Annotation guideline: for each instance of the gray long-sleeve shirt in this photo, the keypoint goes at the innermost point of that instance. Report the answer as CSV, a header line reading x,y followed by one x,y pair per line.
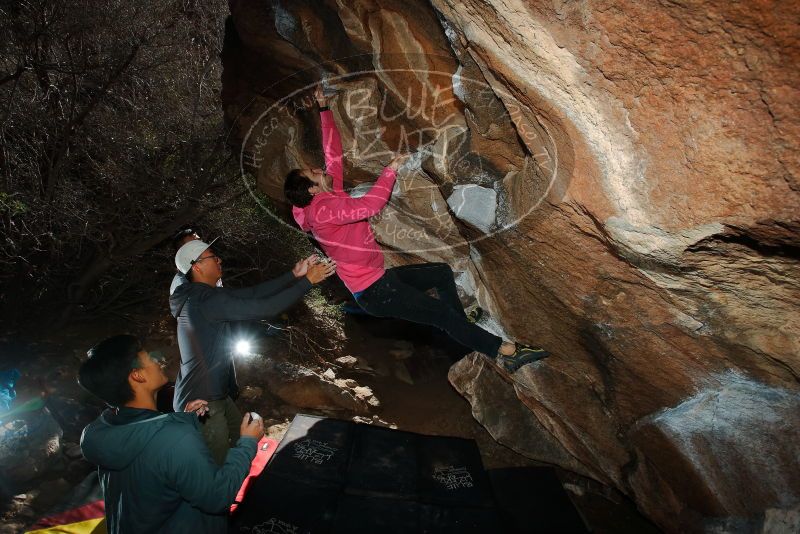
x,y
205,337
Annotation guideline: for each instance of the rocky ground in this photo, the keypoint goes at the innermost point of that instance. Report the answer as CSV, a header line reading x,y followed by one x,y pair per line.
x,y
388,373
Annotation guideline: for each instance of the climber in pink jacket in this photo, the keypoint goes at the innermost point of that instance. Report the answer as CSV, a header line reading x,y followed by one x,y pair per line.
x,y
340,224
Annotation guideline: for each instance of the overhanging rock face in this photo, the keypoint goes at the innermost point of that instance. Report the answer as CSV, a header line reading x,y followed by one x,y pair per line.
x,y
645,226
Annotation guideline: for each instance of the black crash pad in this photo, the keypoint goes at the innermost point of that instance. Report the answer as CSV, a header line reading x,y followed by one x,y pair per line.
x,y
532,500
338,476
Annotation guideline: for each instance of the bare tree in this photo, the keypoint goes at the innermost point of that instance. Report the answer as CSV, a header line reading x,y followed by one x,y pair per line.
x,y
111,138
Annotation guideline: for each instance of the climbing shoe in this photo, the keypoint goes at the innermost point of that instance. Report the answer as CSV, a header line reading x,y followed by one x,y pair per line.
x,y
524,355
474,314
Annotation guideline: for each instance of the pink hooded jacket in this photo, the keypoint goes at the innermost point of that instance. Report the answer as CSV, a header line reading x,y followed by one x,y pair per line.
x,y
339,221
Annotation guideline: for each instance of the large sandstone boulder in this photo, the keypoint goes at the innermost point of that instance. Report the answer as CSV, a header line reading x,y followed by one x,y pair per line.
x,y
715,458
617,181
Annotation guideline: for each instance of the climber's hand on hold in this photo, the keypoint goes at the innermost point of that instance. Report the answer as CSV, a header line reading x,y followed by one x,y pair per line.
x,y
398,161
319,96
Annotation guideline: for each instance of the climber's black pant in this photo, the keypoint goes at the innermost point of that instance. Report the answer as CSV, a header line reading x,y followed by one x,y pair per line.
x,y
401,293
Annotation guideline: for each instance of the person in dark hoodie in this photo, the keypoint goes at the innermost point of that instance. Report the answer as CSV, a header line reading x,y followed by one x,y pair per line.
x,y
156,472
205,314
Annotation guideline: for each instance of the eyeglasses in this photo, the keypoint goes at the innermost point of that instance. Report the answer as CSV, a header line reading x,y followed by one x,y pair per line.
x,y
198,260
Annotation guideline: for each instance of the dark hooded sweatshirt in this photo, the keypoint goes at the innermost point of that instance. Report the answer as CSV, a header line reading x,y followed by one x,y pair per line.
x,y
157,474
205,336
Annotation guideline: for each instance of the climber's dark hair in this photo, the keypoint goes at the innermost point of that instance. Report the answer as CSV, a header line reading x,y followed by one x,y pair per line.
x,y
295,188
105,373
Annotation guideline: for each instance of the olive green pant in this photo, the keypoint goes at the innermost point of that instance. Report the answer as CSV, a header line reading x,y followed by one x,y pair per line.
x,y
220,427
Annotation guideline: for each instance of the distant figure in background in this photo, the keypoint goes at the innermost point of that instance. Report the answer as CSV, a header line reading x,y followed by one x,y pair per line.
x,y
205,313
340,224
156,471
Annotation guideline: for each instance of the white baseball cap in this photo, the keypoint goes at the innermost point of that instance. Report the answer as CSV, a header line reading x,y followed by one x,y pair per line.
x,y
189,253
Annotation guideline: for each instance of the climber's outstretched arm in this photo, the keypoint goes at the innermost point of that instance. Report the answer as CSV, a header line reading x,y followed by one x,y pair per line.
x,y
331,142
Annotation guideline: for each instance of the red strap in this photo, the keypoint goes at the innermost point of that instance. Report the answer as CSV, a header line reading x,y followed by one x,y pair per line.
x,y
266,448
